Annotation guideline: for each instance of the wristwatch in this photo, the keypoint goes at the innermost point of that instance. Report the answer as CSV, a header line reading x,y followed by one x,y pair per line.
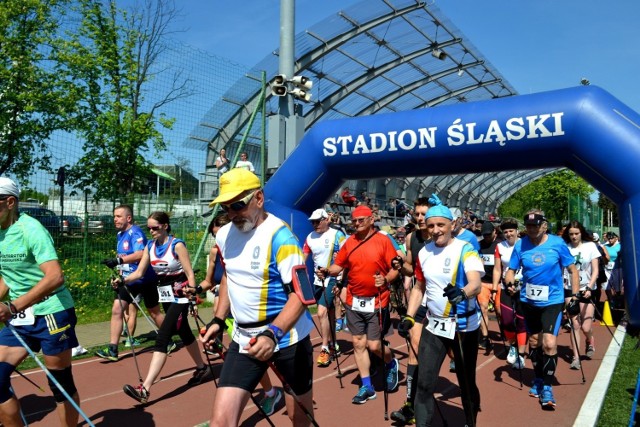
x,y
277,332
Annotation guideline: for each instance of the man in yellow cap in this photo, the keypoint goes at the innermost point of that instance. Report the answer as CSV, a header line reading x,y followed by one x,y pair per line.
x,y
259,252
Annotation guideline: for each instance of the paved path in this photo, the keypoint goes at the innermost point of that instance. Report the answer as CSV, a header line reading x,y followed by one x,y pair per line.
x,y
173,404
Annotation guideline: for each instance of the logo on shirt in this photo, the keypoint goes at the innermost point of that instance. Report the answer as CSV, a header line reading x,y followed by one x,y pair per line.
x,y
255,264
125,245
538,258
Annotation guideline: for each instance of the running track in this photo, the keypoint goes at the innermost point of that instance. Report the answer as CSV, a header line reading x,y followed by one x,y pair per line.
x,y
173,404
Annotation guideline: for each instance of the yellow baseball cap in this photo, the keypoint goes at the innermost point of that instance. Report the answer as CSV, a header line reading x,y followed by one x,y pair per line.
x,y
234,183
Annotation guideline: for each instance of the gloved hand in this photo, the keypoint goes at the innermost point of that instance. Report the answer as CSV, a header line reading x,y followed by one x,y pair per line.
x,y
112,262
454,294
405,326
396,263
573,307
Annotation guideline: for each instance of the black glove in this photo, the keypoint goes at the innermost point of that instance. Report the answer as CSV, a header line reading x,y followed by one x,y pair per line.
x,y
405,326
573,307
454,294
396,263
112,262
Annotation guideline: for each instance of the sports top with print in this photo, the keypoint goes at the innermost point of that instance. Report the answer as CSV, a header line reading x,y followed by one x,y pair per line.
x,y
131,241
322,248
163,258
542,265
583,255
23,247
439,266
258,263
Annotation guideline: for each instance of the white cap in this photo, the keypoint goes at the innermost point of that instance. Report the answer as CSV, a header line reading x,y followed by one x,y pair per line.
x,y
596,237
8,187
455,213
318,214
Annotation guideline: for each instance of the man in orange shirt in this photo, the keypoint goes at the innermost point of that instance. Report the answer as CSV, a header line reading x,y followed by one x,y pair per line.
x,y
366,257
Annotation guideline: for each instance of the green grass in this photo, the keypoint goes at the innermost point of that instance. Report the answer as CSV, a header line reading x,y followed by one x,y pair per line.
x,y
616,409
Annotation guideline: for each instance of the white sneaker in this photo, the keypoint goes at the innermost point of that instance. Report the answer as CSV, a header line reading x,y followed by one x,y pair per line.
x,y
78,351
519,363
512,356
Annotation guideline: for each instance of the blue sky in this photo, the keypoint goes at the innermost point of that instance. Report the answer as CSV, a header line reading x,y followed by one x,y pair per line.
x,y
537,45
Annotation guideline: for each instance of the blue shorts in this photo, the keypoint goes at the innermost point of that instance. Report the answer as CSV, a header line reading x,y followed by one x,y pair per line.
x,y
321,294
51,333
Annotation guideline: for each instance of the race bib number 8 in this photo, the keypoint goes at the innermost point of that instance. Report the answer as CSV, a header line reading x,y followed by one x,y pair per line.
x,y
165,293
364,304
537,292
23,318
441,326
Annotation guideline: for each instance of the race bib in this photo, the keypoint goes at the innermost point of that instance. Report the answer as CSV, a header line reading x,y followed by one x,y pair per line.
x,y
165,293
441,326
488,259
243,335
23,318
610,265
124,268
537,292
364,304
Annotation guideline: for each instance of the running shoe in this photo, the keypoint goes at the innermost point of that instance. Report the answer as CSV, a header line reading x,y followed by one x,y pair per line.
x,y
325,358
138,393
335,351
519,363
131,343
269,403
452,366
575,364
512,356
546,397
392,376
171,347
536,388
591,349
200,375
365,393
566,325
339,325
404,415
108,354
484,343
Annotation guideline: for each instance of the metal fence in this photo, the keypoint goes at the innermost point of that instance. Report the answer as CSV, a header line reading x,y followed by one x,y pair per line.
x,y
587,212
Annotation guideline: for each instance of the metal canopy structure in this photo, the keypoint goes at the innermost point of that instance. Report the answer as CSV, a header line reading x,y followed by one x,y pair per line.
x,y
379,56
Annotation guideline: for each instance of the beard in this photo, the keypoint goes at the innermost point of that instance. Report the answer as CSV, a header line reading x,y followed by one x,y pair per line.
x,y
243,225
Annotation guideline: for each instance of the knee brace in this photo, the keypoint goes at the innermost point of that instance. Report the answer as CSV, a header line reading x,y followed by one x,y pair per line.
x,y
65,379
6,392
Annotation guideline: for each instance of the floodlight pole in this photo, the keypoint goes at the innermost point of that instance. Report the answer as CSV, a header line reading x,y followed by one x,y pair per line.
x,y
287,51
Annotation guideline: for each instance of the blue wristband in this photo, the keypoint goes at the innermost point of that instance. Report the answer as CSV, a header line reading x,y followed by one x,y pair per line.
x,y
277,332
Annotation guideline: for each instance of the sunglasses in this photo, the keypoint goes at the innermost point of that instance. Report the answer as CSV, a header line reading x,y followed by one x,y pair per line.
x,y
2,198
155,228
239,205
359,220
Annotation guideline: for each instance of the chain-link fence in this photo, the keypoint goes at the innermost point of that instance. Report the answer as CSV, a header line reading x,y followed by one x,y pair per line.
x,y
83,228
587,212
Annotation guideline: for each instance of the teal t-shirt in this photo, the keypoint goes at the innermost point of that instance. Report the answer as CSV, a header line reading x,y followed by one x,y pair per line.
x,y
23,247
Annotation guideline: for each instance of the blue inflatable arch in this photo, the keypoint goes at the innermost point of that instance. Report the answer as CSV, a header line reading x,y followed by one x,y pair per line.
x,y
585,129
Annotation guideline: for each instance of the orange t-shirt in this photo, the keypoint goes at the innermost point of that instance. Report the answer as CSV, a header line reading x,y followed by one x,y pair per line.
x,y
374,256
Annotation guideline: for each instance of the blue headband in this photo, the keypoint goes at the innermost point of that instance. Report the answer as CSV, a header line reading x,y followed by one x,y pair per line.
x,y
439,210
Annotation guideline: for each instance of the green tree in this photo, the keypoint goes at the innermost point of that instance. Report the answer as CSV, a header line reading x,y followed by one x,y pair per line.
x,y
34,99
548,193
113,55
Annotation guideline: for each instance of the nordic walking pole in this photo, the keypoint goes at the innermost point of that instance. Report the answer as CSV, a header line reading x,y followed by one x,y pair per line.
x,y
195,316
287,387
600,314
49,374
126,329
384,364
28,380
153,325
217,347
332,332
415,353
515,327
575,341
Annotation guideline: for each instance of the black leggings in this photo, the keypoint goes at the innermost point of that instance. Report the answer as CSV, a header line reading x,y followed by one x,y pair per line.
x,y
431,354
176,319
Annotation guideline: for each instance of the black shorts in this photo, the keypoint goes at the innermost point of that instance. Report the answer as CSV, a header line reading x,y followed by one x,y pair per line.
x,y
147,290
545,319
295,363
